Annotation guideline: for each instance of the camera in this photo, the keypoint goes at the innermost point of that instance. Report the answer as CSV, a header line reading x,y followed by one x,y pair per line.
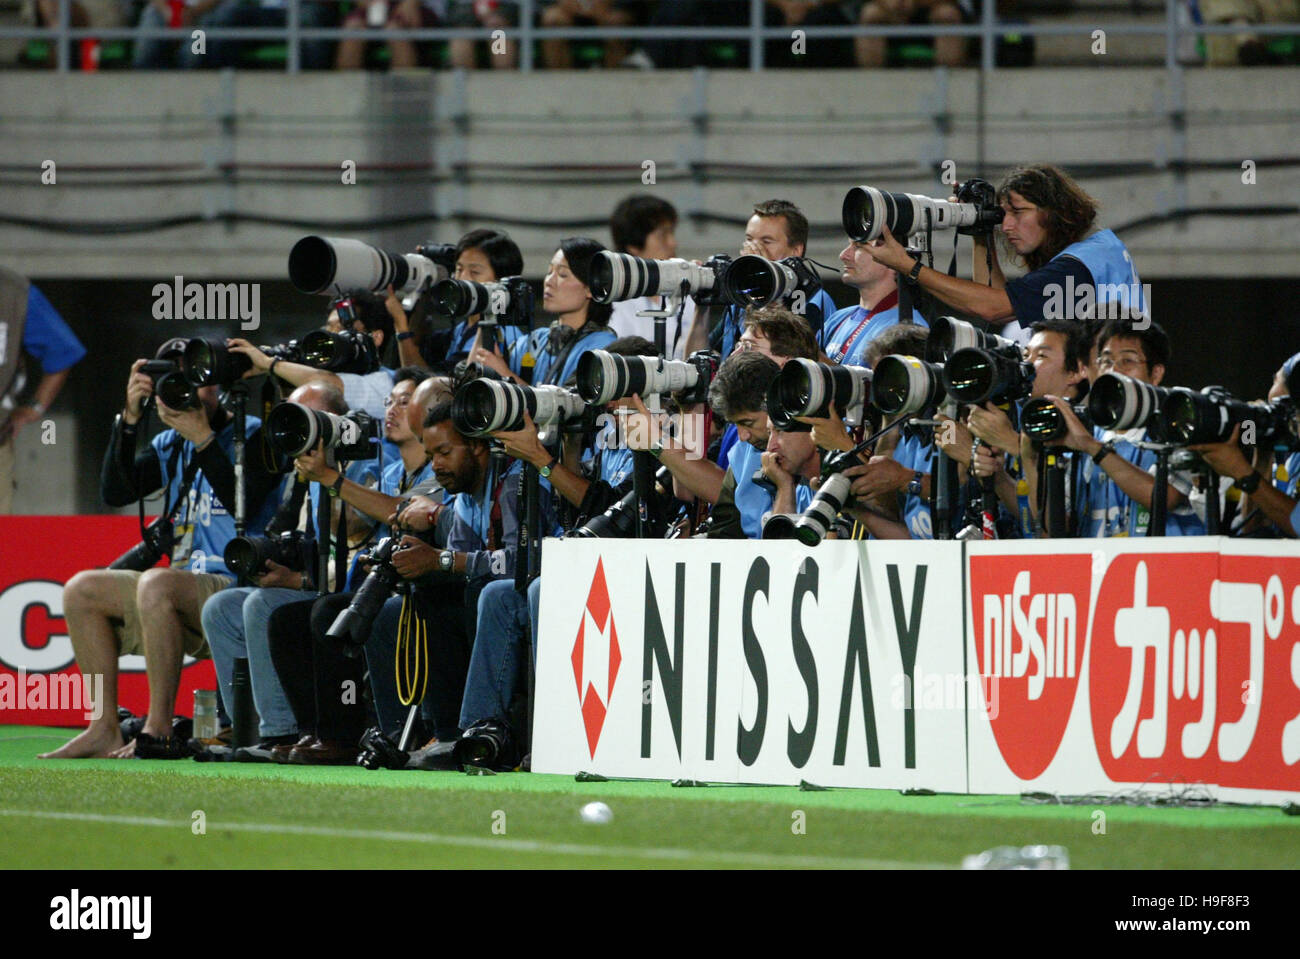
x,y
818,519
619,521
247,555
867,211
352,626
318,264
807,388
756,281
1044,423
348,351
1118,402
621,276
159,537
973,375
509,300
603,377
949,334
171,385
484,406
294,429
1210,415
905,385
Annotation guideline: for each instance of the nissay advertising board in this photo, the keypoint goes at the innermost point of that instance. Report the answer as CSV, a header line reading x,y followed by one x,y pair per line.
x,y
1069,667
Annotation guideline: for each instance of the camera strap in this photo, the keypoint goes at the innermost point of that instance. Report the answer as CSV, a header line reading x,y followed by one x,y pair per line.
x,y
412,661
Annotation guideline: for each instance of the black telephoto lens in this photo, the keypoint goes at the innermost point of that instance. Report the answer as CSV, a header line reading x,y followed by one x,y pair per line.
x,y
175,391
208,362
976,376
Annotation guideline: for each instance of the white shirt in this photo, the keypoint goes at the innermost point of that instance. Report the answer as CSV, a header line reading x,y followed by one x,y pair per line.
x,y
625,322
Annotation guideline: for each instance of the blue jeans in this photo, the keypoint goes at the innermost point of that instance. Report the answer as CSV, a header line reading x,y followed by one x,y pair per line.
x,y
504,619
316,54
234,621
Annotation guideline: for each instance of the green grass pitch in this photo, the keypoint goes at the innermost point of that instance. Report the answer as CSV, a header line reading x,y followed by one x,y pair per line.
x,y
133,814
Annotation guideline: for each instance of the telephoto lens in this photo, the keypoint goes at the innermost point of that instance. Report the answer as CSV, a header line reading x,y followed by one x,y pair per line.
x,y
322,264
246,556
294,429
620,276
603,377
175,391
349,351
1042,422
906,385
978,376
352,626
818,519
1118,402
866,212
1210,416
208,362
755,281
481,407
949,334
807,388
461,298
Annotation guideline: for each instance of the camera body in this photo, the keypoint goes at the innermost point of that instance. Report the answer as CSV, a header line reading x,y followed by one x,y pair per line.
x,y
983,196
507,301
352,626
159,537
247,555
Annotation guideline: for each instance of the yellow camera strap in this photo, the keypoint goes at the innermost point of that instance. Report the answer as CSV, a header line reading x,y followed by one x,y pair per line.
x,y
412,661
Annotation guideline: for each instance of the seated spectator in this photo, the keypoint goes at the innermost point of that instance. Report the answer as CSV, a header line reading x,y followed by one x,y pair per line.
x,y
155,53
404,15
483,14
558,54
1244,48
82,13
219,53
948,51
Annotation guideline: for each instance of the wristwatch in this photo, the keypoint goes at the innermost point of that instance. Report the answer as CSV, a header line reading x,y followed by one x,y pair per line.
x,y
545,471
446,560
914,486
336,485
1248,483
1106,449
405,335
914,275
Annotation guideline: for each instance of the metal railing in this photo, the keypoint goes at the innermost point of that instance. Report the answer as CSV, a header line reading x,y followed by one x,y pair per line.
x,y
755,33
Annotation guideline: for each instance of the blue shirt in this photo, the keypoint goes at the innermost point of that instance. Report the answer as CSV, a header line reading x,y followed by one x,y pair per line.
x,y
544,362
753,501
471,527
509,339
204,525
850,331
1110,512
46,337
915,455
1100,265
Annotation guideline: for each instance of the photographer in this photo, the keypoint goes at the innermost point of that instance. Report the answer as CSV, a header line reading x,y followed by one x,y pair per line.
x,y
482,256
552,354
360,391
776,230
1269,500
646,226
1046,223
119,612
850,330
1119,479
481,547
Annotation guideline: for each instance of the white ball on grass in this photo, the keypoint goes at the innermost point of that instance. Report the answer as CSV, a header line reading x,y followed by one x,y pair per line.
x,y
597,812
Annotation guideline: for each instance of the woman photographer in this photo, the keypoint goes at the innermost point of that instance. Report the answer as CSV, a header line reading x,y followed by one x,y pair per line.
x,y
581,325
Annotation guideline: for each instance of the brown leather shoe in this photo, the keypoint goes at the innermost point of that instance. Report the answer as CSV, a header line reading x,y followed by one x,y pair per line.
x,y
280,754
325,752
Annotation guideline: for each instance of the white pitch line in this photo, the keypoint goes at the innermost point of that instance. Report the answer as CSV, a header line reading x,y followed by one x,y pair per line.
x,y
476,842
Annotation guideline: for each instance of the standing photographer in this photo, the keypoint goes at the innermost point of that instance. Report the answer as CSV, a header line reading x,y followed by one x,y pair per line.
x,y
118,612
1047,222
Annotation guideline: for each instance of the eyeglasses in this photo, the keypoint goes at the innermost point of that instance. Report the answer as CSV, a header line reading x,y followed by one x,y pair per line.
x,y
1124,363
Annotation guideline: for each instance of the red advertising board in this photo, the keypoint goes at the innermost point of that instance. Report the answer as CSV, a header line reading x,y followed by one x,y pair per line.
x,y
38,555
1192,652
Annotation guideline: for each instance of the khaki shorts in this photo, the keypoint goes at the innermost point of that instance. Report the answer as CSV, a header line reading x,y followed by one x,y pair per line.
x,y
127,629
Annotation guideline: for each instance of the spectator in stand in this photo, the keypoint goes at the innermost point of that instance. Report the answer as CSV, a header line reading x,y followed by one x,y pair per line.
x,y
315,54
1245,48
403,15
483,14
948,51
155,53
558,54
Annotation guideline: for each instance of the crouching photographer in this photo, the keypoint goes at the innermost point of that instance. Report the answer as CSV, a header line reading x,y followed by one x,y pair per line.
x,y
132,608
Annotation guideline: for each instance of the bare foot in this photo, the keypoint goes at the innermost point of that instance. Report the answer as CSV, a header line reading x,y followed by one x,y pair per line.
x,y
126,752
93,743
